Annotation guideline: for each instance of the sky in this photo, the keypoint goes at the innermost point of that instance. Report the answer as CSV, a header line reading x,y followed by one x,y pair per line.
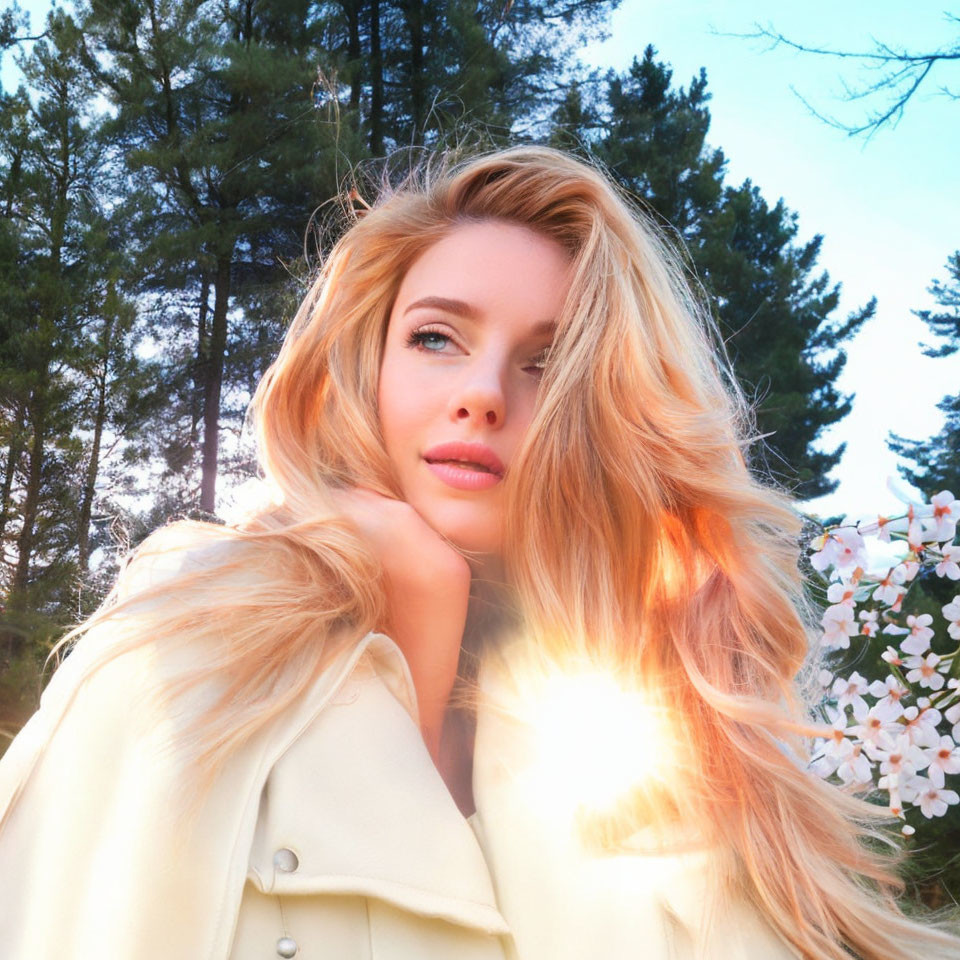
x,y
888,208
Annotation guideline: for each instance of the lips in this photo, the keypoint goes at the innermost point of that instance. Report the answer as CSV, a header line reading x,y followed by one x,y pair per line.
x,y
468,454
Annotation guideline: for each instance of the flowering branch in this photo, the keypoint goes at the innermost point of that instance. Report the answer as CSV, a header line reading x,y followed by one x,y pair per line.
x,y
898,738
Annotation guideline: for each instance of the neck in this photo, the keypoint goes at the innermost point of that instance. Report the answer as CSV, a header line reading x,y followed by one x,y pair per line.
x,y
487,567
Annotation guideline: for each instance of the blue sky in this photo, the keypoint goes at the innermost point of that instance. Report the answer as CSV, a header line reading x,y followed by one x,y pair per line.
x,y
889,209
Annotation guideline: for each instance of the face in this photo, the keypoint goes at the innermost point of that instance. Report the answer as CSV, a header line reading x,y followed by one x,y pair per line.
x,y
463,358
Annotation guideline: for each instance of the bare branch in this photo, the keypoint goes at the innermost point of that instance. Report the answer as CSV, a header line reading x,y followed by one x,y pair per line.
x,y
39,36
902,74
882,51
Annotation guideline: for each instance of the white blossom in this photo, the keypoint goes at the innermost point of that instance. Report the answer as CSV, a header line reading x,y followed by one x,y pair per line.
x,y
896,804
933,800
892,657
838,627
891,691
913,754
841,592
924,670
921,725
879,723
882,527
952,715
909,569
946,513
901,759
920,634
851,692
951,611
870,624
916,536
830,751
842,548
911,786
949,566
888,589
944,758
855,767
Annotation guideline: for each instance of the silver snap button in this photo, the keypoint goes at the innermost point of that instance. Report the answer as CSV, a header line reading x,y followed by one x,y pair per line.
x,y
285,861
287,947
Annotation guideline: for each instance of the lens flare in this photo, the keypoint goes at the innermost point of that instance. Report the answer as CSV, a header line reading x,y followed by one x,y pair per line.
x,y
592,743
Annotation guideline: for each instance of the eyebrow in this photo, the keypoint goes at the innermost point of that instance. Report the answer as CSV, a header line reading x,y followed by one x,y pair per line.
x,y
460,308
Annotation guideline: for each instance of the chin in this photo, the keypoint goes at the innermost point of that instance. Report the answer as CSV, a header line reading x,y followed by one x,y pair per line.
x,y
467,525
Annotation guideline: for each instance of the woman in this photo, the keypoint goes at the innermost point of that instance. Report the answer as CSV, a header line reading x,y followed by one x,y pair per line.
x,y
506,462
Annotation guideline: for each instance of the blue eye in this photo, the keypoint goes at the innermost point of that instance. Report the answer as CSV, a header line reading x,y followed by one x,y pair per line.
x,y
419,339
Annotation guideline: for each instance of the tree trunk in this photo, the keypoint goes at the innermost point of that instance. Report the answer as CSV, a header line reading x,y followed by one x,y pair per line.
x,y
31,503
10,470
93,466
417,92
212,370
351,9
196,402
376,81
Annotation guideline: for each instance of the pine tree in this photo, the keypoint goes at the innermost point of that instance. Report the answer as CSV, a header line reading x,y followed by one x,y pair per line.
x,y
74,389
227,153
430,73
654,141
49,160
774,316
936,462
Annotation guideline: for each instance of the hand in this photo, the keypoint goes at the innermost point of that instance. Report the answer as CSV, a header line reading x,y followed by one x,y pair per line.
x,y
427,586
413,555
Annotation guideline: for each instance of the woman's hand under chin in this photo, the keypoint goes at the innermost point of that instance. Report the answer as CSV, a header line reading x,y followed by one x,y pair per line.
x,y
427,586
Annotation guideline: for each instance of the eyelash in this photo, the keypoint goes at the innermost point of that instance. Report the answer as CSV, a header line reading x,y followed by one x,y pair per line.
x,y
417,337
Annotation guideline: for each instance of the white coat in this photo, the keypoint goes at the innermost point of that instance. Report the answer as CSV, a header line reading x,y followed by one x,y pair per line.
x,y
329,834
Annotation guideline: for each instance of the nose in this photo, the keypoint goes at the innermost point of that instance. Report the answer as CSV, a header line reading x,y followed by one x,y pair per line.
x,y
479,398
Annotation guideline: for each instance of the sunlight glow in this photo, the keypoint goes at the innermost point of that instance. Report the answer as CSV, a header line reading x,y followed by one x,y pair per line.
x,y
593,742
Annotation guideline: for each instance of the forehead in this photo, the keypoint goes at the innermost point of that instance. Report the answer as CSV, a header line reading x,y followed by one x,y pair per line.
x,y
491,265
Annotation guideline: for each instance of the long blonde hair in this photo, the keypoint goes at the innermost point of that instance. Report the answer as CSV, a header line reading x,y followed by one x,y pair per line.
x,y
635,534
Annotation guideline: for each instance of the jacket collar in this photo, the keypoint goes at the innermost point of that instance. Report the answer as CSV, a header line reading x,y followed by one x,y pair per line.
x,y
355,796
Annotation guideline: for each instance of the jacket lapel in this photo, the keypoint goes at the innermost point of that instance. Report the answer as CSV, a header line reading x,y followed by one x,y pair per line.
x,y
357,800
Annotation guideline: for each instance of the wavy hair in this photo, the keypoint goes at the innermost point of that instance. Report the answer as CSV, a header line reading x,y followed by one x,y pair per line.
x,y
635,535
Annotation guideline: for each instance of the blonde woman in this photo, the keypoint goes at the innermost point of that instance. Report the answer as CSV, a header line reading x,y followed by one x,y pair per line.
x,y
508,668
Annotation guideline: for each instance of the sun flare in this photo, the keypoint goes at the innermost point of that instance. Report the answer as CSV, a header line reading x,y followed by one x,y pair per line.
x,y
593,742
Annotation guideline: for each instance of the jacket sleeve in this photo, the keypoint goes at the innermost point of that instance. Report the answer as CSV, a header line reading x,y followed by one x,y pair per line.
x,y
92,861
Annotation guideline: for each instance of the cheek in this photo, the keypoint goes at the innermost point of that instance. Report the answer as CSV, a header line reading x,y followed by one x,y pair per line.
x,y
405,412
526,409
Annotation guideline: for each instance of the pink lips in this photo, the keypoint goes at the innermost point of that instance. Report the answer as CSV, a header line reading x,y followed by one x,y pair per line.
x,y
463,476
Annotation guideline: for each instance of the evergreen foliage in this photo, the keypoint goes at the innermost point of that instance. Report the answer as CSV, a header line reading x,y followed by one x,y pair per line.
x,y
936,461
225,149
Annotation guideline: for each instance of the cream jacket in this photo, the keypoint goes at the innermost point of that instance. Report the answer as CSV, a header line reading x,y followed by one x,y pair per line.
x,y
329,835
